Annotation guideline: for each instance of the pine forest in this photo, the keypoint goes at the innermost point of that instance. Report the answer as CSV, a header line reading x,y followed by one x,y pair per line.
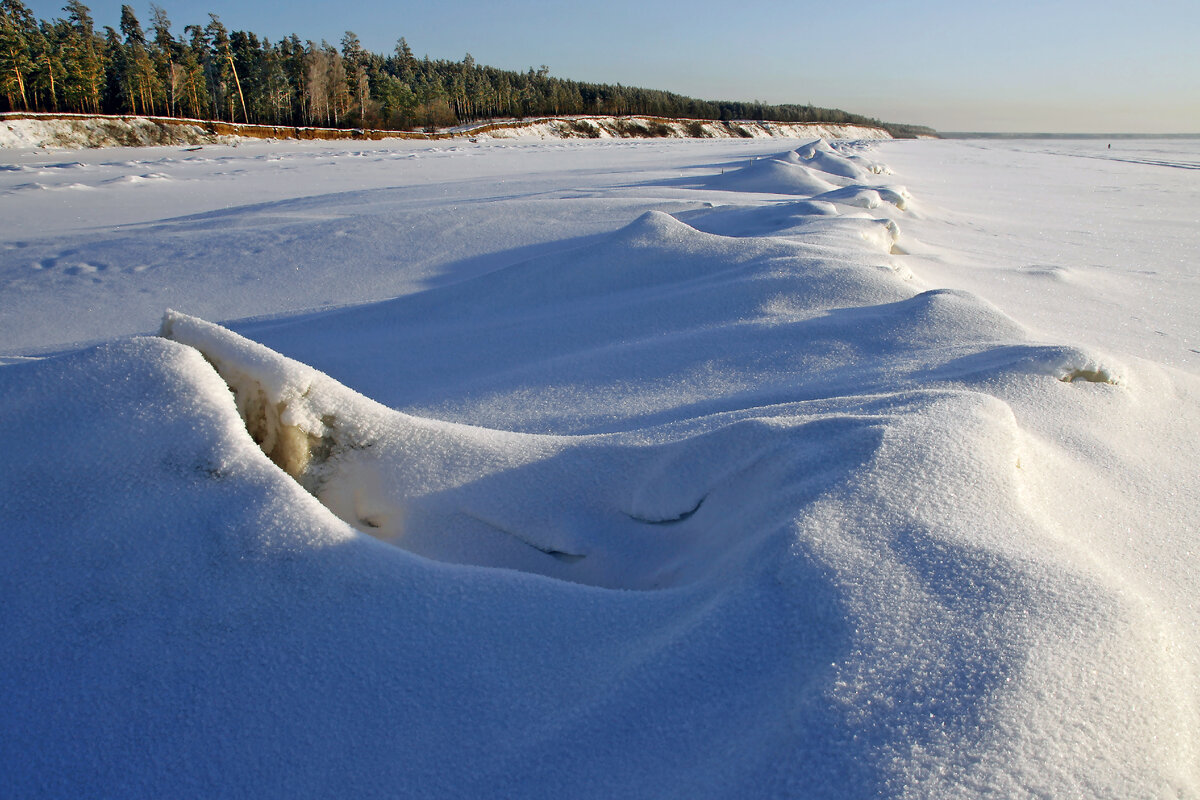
x,y
211,73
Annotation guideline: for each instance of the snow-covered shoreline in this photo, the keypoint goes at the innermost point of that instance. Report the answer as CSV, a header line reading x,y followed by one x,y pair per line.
x,y
73,131
724,468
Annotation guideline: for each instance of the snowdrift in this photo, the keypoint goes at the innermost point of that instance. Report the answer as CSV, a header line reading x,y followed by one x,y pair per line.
x,y
804,527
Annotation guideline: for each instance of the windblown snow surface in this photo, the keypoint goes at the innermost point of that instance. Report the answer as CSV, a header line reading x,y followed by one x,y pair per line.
x,y
601,469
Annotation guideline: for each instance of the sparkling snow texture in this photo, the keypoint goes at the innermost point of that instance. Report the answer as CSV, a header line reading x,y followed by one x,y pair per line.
x,y
601,469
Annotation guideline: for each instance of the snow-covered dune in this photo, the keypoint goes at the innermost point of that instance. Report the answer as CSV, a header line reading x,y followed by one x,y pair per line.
x,y
674,475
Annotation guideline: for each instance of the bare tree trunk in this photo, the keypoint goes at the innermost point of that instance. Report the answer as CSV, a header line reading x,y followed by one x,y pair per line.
x,y
20,84
53,94
236,80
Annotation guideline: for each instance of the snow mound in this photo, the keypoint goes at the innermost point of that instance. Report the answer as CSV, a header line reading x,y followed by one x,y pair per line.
x,y
859,576
601,511
774,176
816,170
867,196
822,156
810,221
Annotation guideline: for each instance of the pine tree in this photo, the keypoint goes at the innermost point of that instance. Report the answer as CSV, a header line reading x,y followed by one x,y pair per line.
x,y
194,91
47,67
355,60
293,54
17,30
138,80
226,87
83,64
164,54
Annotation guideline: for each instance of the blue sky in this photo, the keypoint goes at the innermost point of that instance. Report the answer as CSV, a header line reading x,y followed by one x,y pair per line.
x,y
1059,65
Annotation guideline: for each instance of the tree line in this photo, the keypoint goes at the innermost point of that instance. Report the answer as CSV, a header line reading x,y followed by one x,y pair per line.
x,y
212,73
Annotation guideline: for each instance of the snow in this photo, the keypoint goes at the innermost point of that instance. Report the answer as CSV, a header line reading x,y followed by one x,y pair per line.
x,y
53,130
549,468
624,127
28,130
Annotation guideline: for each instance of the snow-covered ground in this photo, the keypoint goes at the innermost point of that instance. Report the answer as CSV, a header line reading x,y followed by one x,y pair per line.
x,y
718,468
77,131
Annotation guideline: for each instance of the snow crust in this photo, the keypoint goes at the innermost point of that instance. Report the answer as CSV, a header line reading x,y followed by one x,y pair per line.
x,y
617,469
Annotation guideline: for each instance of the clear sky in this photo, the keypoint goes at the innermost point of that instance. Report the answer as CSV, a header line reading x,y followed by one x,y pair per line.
x,y
961,65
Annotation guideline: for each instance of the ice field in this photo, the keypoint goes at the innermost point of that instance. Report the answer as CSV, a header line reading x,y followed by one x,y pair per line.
x,y
535,468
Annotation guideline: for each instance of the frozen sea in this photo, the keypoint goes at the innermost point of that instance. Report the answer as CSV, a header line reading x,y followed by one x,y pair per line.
x,y
534,468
